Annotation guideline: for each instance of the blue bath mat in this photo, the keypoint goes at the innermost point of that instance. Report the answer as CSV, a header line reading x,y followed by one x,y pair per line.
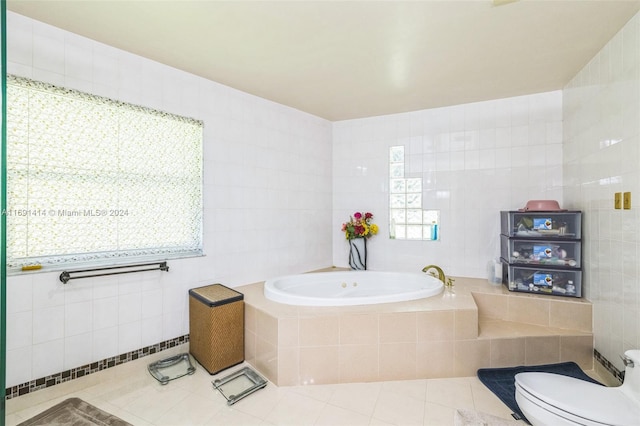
x,y
501,381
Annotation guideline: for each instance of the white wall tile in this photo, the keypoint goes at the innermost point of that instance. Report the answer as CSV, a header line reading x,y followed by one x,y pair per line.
x,y
104,343
48,53
151,304
173,324
78,59
78,291
105,287
47,291
105,313
151,330
21,41
77,350
20,362
19,293
19,329
129,337
129,308
601,157
48,324
78,318
47,358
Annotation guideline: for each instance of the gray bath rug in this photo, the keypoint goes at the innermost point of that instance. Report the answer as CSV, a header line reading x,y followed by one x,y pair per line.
x,y
476,418
76,412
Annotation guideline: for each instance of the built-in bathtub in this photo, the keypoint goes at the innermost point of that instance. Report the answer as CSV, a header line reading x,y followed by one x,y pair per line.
x,y
430,337
347,288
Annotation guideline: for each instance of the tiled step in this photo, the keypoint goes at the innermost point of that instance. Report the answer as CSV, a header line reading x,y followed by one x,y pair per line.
x,y
489,328
528,329
512,343
554,313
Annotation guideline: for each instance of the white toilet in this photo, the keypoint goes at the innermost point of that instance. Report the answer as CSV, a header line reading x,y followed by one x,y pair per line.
x,y
551,399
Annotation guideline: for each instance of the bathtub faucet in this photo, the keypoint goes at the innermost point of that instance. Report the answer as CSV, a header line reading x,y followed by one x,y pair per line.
x,y
440,275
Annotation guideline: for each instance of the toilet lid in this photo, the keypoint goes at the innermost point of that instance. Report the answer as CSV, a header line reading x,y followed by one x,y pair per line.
x,y
583,399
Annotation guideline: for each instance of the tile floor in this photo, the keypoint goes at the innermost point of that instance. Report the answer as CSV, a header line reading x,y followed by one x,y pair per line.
x,y
129,392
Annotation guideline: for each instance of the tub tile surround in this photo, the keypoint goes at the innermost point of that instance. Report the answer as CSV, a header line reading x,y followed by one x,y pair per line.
x,y
450,335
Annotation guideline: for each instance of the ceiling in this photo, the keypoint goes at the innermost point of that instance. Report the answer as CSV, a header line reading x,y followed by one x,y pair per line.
x,y
350,59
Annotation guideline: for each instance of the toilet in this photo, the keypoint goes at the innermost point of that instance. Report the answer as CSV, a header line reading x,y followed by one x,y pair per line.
x,y
551,399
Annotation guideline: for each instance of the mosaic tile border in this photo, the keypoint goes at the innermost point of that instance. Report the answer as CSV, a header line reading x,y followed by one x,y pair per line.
x,y
619,375
74,373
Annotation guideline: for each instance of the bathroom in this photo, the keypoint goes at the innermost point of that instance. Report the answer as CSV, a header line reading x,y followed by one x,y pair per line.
x,y
271,171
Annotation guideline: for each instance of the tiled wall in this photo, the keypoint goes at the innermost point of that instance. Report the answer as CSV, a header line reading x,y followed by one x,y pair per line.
x,y
272,174
601,157
267,206
474,160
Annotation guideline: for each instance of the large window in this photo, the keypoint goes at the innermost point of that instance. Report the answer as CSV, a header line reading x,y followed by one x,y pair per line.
x,y
91,179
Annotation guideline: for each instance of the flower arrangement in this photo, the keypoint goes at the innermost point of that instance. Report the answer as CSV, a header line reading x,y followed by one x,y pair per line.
x,y
359,226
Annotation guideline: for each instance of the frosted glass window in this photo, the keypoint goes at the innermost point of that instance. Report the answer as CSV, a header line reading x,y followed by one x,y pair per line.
x,y
414,185
396,170
414,216
91,179
398,186
430,216
414,232
399,215
398,201
408,219
414,201
396,154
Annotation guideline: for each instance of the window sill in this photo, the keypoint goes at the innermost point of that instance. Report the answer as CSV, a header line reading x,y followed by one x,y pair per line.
x,y
102,264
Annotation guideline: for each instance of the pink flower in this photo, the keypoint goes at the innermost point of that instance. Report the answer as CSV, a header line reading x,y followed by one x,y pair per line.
x,y
357,215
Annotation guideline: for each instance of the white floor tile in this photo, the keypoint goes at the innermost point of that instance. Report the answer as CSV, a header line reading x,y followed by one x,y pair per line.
x,y
193,410
129,392
454,393
398,409
232,417
412,388
438,415
336,416
295,410
358,397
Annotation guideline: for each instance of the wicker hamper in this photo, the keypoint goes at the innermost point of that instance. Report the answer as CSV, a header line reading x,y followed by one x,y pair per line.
x,y
216,327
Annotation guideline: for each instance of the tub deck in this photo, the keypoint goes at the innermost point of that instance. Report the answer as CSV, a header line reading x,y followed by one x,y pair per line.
x,y
476,325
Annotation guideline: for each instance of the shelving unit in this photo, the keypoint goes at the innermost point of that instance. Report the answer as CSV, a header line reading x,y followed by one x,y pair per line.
x,y
541,252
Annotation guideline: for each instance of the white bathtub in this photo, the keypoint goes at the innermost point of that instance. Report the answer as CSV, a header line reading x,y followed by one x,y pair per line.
x,y
351,288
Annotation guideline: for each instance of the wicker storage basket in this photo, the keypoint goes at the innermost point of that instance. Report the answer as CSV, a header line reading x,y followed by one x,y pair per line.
x,y
216,327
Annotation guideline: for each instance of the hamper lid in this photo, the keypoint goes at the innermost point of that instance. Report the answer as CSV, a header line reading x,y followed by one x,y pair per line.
x,y
216,294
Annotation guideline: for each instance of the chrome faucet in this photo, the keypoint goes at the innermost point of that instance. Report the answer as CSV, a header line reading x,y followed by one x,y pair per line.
x,y
440,274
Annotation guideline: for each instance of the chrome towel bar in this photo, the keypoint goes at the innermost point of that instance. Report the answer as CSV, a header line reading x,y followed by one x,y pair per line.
x,y
65,276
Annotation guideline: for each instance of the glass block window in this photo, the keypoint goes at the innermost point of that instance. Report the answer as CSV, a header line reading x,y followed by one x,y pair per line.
x,y
91,179
407,218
